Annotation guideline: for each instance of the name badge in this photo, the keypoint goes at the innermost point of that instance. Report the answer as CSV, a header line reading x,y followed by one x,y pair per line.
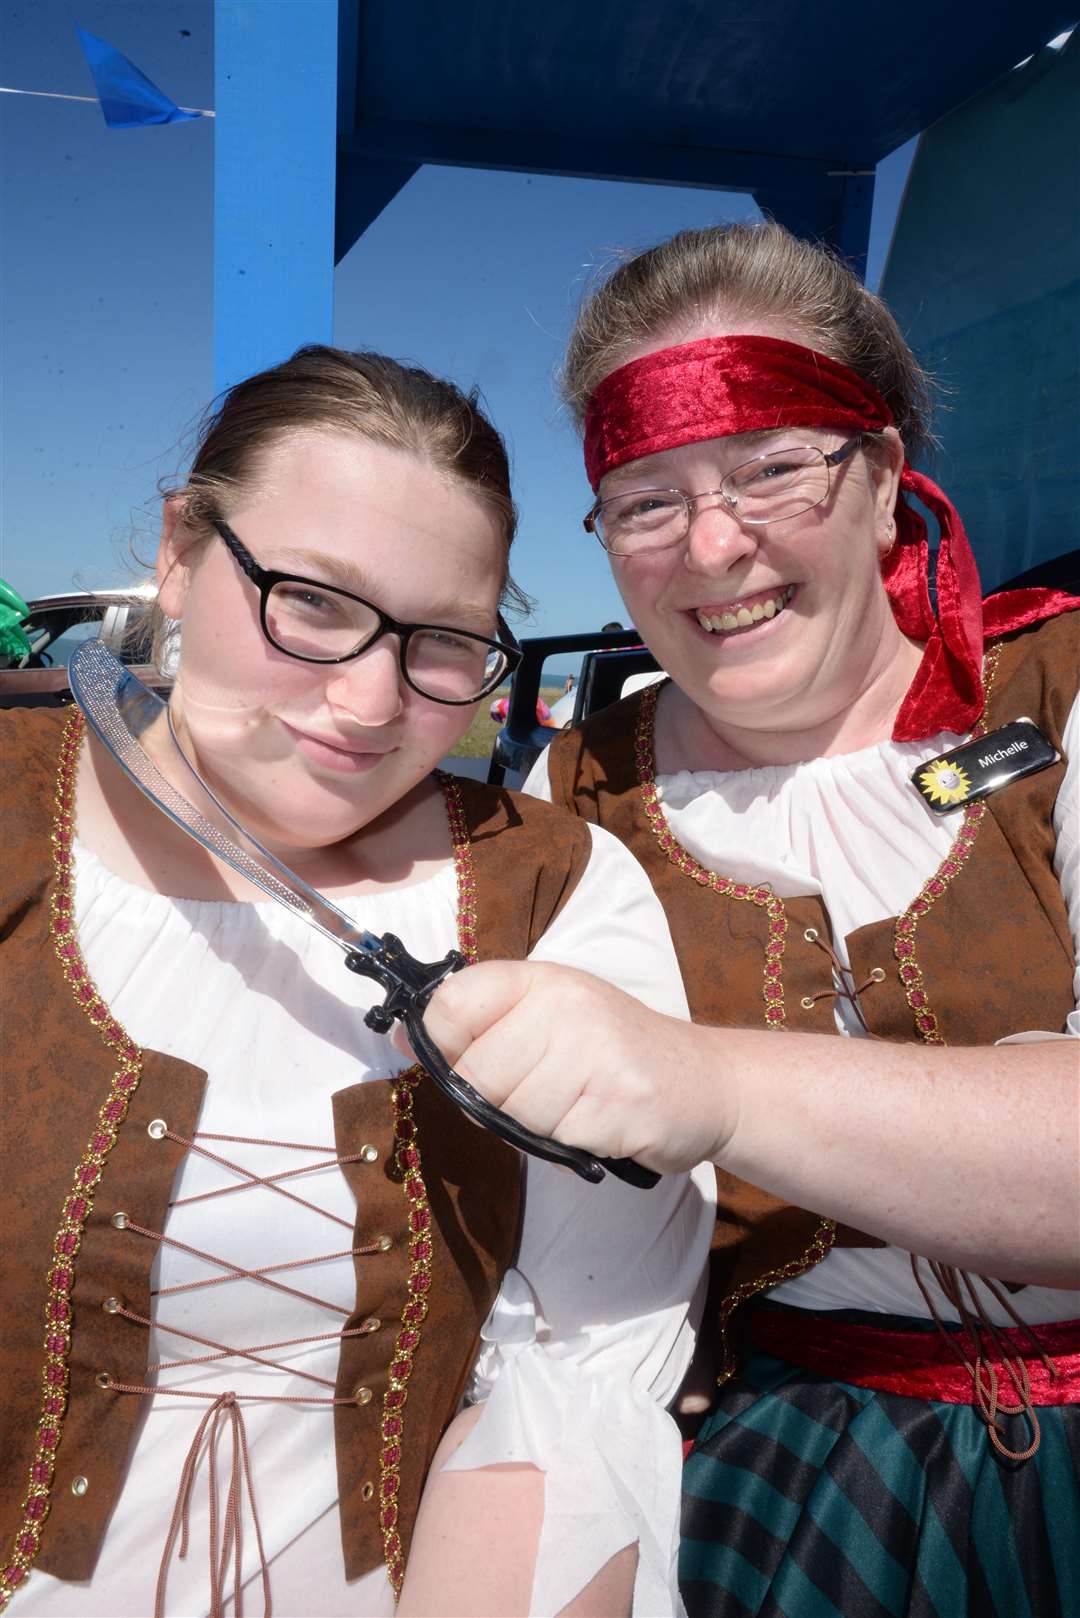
x,y
980,767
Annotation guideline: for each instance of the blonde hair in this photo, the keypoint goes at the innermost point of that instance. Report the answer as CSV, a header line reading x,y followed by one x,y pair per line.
x,y
747,270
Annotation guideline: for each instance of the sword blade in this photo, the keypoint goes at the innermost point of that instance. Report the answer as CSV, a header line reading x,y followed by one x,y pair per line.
x,y
132,723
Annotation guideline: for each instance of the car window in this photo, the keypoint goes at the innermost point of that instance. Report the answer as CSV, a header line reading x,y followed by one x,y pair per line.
x,y
59,651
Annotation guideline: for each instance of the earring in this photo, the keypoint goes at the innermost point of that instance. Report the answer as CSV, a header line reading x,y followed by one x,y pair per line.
x,y
890,535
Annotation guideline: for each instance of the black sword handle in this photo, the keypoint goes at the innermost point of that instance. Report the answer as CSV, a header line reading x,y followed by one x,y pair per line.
x,y
409,986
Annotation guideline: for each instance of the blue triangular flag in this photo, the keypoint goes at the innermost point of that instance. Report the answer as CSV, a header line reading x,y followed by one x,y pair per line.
x,y
128,99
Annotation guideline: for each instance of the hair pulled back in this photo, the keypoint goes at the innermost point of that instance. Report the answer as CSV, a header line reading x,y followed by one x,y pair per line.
x,y
334,390
746,270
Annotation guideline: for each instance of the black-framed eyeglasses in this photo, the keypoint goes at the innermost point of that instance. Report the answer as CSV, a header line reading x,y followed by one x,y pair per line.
x,y
319,623
773,487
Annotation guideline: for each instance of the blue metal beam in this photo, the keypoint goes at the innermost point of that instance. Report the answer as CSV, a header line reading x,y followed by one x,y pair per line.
x,y
812,196
543,152
275,141
852,236
365,186
835,210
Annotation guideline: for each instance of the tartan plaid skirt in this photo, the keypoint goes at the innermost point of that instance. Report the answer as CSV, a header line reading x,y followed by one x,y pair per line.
x,y
806,1497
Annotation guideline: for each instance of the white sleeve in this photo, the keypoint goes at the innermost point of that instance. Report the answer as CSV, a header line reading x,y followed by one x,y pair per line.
x,y
537,783
593,1330
1066,823
1067,852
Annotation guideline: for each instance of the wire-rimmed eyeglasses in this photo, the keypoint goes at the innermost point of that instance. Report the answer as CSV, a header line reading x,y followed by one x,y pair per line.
x,y
320,623
774,486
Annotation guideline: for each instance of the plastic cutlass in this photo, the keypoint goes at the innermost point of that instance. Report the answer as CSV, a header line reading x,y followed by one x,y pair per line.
x,y
127,717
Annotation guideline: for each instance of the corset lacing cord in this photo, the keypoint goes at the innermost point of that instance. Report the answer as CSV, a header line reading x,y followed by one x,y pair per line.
x,y
845,978
984,1377
226,1543
225,1408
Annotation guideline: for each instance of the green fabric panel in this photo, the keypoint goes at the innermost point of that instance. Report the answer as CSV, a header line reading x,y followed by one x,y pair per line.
x,y
1059,1482
794,1593
943,1576
840,1520
994,1545
721,1566
734,1486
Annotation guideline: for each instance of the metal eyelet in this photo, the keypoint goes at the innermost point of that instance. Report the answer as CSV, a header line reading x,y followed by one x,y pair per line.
x,y
103,1380
384,1243
362,1395
79,1486
877,974
112,1305
372,1323
807,1003
119,1221
367,1492
811,935
369,1154
157,1128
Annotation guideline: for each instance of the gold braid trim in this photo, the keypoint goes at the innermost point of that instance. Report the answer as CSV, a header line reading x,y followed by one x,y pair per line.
x,y
80,1199
421,1250
904,932
772,994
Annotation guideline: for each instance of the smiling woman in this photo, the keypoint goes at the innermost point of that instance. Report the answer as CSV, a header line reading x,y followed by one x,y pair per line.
x,y
896,1283
336,561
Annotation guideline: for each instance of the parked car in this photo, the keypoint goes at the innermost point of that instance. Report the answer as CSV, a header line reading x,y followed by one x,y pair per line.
x,y
56,624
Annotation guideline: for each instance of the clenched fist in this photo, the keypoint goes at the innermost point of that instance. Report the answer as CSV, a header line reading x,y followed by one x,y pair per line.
x,y
573,1058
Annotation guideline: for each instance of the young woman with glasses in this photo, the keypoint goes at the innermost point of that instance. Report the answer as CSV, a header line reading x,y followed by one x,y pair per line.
x,y
254,1261
895,1296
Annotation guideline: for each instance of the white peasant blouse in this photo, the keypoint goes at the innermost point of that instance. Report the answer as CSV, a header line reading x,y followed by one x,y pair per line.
x,y
852,830
589,1337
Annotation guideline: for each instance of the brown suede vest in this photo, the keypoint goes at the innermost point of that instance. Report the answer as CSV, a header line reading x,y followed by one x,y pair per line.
x,y
76,1152
993,944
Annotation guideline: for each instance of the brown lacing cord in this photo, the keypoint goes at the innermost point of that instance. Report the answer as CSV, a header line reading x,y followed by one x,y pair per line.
x,y
264,1269
226,1546
258,1179
332,1161
845,979
224,1352
983,1372
238,1272
231,1547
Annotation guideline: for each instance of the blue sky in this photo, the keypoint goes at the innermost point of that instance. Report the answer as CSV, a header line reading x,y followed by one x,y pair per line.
x,y
106,291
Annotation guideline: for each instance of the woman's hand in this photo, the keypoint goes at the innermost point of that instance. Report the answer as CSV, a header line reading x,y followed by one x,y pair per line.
x,y
908,1143
575,1059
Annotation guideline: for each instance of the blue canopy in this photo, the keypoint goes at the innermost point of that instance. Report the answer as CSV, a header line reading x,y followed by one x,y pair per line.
x,y
793,103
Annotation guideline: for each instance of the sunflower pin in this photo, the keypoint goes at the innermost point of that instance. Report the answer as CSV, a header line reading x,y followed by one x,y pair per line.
x,y
945,782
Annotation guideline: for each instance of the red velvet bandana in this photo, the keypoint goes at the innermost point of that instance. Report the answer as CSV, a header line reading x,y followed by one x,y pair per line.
x,y
720,386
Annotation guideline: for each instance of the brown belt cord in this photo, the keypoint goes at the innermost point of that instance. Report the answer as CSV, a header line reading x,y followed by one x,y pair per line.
x,y
984,1376
953,1283
226,1540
